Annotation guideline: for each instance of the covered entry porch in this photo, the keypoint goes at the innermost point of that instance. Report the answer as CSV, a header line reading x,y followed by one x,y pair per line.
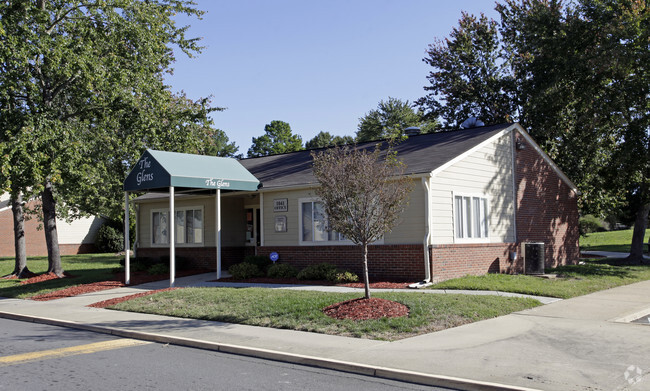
x,y
201,180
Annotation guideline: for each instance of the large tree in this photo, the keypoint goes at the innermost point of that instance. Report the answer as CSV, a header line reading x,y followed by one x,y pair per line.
x,y
364,193
325,139
277,138
72,75
469,78
574,74
389,120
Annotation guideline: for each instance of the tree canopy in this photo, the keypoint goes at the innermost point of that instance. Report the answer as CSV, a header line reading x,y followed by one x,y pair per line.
x,y
325,139
277,138
82,95
389,121
574,73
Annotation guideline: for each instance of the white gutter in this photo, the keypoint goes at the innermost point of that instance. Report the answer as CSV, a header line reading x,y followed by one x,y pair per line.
x,y
427,238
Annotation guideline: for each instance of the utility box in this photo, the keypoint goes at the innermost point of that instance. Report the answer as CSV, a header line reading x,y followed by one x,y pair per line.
x,y
534,258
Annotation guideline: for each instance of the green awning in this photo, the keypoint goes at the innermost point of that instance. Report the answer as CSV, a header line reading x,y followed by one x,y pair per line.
x,y
160,169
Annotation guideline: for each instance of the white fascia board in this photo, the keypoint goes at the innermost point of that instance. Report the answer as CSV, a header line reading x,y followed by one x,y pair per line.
x,y
548,160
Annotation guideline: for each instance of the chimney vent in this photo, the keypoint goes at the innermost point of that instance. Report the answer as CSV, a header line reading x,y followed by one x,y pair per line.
x,y
412,131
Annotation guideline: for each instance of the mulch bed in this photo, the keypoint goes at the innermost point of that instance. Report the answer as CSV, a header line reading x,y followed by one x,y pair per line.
x,y
106,303
118,282
295,281
364,309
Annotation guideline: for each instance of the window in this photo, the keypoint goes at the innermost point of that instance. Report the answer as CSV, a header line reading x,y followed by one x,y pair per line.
x,y
314,223
188,224
471,217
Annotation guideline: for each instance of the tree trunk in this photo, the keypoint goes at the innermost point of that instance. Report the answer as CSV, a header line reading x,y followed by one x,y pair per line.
x,y
20,268
51,236
366,281
636,250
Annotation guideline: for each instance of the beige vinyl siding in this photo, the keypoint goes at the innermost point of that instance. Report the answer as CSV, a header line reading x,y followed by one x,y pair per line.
x,y
410,229
233,224
487,171
78,231
291,237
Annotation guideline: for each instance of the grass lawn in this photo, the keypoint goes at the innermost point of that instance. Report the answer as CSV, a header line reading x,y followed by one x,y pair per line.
x,y
83,269
618,241
301,310
576,280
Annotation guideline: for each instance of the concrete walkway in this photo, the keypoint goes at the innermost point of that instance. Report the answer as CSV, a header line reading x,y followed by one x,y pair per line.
x,y
611,254
585,343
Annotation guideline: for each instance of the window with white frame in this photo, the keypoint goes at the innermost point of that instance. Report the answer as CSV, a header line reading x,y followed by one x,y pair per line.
x,y
314,224
188,224
471,217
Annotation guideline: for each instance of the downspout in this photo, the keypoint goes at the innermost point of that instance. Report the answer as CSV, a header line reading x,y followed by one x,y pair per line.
x,y
515,194
427,239
137,230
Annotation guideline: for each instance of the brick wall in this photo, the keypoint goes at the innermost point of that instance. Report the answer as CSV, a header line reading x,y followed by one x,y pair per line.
x,y
202,257
458,260
34,237
547,209
385,262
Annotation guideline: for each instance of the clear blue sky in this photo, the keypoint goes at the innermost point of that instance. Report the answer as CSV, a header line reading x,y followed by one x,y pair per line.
x,y
318,65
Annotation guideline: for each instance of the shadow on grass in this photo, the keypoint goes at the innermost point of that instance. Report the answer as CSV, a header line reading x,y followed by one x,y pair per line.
x,y
76,277
602,267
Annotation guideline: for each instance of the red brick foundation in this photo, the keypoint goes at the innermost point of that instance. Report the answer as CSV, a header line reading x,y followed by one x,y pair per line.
x,y
201,257
403,262
458,260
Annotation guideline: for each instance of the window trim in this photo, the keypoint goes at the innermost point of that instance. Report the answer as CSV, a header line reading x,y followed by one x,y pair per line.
x,y
471,196
301,242
177,209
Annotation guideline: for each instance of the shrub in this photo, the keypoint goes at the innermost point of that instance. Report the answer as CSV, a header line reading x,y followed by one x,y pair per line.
x,y
588,224
282,270
261,261
316,272
245,270
159,268
109,239
342,277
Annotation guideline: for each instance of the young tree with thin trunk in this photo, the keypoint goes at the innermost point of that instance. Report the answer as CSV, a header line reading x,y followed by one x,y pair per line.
x,y
364,193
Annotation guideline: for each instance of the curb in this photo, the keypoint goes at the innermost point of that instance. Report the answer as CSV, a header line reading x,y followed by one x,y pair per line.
x,y
344,366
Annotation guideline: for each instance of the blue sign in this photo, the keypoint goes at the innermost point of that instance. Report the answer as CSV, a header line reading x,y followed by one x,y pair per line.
x,y
274,256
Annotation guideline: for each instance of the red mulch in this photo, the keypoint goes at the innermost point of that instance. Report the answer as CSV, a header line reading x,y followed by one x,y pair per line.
x,y
295,281
136,279
106,303
364,309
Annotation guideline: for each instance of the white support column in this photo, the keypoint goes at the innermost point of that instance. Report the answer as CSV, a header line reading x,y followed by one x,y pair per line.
x,y
261,222
127,253
172,239
217,221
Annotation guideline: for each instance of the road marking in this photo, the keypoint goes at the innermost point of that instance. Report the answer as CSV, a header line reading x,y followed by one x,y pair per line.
x,y
71,351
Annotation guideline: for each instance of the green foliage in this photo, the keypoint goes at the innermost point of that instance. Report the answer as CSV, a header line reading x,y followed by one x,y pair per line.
x,y
590,223
159,268
109,239
282,270
389,121
469,77
276,140
325,139
244,270
342,277
316,272
261,261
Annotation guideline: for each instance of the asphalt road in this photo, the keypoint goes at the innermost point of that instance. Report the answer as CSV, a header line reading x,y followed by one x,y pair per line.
x,y
42,357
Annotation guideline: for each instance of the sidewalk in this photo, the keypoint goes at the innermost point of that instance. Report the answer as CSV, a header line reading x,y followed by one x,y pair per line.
x,y
576,344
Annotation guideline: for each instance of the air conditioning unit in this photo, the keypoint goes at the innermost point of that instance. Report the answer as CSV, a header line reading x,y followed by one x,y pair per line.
x,y
534,258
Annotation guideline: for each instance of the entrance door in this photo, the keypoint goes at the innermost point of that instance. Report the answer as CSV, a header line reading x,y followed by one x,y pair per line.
x,y
253,227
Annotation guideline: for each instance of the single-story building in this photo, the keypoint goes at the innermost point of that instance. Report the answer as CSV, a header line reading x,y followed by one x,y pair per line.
x,y
479,195
75,237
